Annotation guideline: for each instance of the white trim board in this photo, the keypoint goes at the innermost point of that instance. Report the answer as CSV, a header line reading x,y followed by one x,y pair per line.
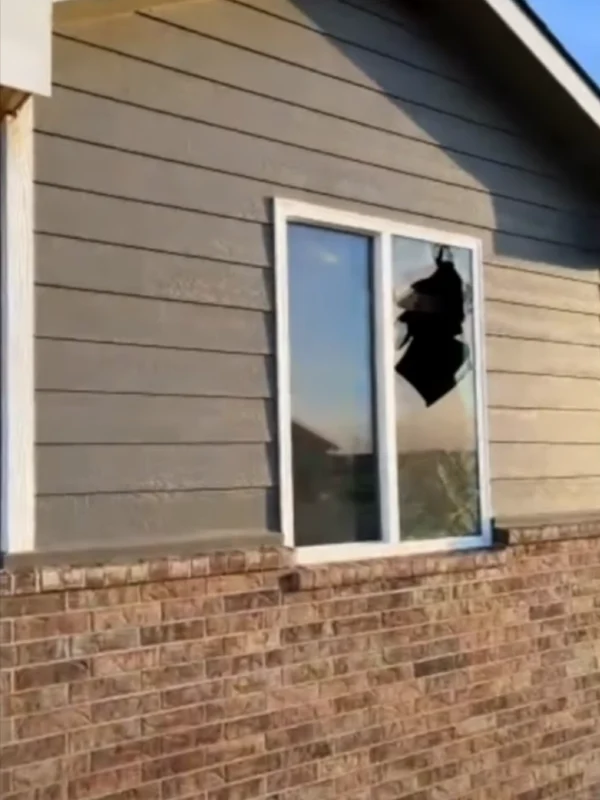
x,y
26,45
17,342
548,55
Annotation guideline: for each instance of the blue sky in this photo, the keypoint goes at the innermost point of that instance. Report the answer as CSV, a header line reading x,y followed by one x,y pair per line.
x,y
577,24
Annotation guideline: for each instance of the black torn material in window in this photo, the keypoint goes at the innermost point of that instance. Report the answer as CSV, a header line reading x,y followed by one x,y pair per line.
x,y
433,313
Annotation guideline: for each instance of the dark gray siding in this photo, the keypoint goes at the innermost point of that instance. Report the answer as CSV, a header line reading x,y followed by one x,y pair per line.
x,y
167,136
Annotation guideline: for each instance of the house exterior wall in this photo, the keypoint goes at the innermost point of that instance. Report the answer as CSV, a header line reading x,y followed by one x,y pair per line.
x,y
237,676
157,158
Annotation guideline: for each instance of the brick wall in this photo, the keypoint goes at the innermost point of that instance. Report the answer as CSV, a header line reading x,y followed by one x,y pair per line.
x,y
238,675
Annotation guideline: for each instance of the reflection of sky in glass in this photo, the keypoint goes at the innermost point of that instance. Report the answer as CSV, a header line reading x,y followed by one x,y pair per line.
x,y
330,332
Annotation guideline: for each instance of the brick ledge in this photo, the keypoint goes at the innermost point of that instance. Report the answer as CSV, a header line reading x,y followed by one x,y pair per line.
x,y
34,579
20,577
549,528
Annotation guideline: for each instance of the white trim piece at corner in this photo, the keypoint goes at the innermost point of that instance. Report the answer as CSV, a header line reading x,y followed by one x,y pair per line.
x,y
26,45
282,343
17,343
381,230
547,54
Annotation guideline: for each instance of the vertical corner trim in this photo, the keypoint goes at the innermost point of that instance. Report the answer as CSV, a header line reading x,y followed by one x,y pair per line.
x,y
283,371
17,340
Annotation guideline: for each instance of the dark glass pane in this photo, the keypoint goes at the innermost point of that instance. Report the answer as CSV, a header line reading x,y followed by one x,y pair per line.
x,y
438,480
334,459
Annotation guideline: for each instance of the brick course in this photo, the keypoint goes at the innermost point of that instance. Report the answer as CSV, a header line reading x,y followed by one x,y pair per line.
x,y
240,675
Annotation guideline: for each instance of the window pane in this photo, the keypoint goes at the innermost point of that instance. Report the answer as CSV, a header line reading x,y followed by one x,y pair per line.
x,y
438,481
334,459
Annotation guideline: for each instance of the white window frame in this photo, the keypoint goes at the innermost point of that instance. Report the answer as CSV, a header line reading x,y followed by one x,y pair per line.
x,y
382,232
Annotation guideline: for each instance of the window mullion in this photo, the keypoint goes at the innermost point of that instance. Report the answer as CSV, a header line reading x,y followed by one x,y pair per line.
x,y
386,402
483,457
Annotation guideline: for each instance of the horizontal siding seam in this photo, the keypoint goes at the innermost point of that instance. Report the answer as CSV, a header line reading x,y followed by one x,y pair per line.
x,y
156,298
517,373
553,409
186,443
173,491
142,248
490,261
247,221
121,393
542,443
278,59
542,306
538,478
367,49
269,400
567,212
269,309
181,348
153,203
173,348
490,334
528,270
287,102
385,18
133,443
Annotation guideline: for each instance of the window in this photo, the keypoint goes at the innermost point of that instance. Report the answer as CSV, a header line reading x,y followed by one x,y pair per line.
x,y
381,386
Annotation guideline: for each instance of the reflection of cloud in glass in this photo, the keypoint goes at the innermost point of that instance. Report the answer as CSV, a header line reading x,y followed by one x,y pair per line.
x,y
328,257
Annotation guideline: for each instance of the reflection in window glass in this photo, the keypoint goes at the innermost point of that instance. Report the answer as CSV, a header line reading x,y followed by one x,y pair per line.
x,y
438,482
334,458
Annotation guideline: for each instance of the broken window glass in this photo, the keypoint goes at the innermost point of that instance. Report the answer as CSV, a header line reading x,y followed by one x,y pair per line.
x,y
435,390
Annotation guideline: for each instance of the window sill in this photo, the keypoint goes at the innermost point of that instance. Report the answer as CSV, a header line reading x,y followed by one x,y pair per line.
x,y
361,551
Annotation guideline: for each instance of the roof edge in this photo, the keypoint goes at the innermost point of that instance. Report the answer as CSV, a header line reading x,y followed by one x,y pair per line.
x,y
520,18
